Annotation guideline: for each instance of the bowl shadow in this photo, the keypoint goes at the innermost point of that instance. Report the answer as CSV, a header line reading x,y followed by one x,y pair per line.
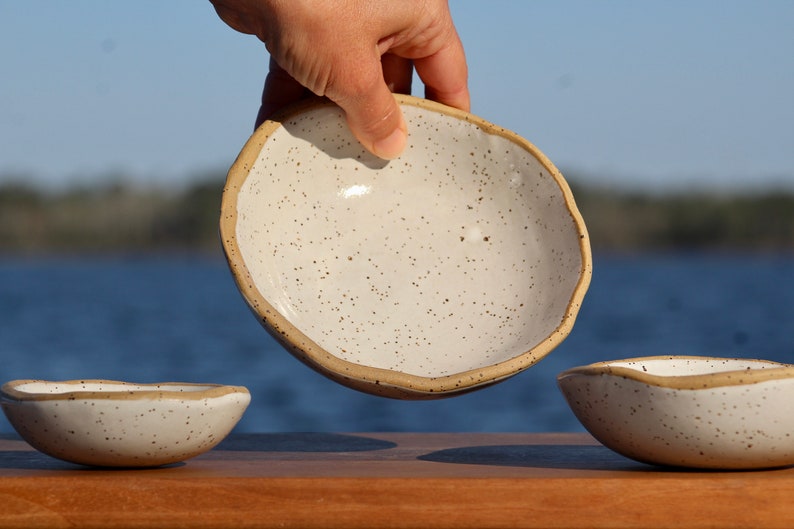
x,y
570,457
33,460
303,442
341,150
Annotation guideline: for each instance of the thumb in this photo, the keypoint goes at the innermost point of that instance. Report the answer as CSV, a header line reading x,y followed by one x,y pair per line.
x,y
376,120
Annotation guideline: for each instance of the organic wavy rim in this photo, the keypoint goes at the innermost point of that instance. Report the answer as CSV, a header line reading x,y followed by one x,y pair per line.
x,y
137,391
702,381
390,382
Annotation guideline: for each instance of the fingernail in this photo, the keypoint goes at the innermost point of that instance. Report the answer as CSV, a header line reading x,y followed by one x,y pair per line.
x,y
392,145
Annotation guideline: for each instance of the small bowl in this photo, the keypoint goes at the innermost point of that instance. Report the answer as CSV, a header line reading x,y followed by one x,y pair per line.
x,y
455,266
120,424
688,411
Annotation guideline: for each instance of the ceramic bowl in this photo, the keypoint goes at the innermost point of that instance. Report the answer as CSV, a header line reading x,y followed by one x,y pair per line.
x,y
460,263
688,411
120,424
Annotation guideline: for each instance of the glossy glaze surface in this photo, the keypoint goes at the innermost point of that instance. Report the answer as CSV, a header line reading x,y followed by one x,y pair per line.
x,y
460,263
686,411
119,424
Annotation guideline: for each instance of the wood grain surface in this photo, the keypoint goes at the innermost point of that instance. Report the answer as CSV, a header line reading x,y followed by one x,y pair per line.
x,y
390,480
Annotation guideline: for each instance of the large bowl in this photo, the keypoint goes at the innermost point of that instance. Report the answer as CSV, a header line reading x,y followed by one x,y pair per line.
x,y
120,424
457,265
688,411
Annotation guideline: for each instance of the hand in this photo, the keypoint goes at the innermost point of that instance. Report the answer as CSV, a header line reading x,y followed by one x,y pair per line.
x,y
356,53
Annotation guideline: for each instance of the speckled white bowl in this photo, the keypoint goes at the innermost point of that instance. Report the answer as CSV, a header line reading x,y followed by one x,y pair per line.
x,y
120,424
688,411
457,265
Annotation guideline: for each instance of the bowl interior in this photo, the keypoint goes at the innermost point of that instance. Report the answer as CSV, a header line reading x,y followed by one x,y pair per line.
x,y
32,389
465,252
691,366
681,372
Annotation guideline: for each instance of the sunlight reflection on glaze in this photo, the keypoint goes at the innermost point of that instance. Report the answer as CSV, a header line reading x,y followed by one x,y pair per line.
x,y
458,264
355,191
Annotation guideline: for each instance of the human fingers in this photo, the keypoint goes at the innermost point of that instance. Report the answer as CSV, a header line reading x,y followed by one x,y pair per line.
x,y
245,16
397,72
445,75
372,112
280,90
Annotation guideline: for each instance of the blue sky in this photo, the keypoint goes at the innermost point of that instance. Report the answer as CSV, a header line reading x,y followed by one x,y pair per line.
x,y
651,94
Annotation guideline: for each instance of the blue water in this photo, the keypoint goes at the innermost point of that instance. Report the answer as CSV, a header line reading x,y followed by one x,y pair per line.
x,y
180,318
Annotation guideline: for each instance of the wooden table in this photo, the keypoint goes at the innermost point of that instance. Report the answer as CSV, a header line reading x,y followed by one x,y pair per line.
x,y
390,480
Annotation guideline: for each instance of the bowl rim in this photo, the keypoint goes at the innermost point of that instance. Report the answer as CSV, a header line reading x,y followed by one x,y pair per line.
x,y
704,381
9,391
370,379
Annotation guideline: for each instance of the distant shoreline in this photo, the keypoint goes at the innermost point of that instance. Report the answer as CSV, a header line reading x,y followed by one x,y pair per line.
x,y
122,218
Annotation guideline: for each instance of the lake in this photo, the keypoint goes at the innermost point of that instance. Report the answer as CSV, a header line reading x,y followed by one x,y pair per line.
x,y
181,318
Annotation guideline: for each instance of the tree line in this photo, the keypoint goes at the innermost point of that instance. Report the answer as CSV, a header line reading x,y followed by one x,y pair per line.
x,y
121,217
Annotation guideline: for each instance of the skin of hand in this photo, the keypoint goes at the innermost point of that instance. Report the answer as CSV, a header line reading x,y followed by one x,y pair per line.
x,y
356,53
